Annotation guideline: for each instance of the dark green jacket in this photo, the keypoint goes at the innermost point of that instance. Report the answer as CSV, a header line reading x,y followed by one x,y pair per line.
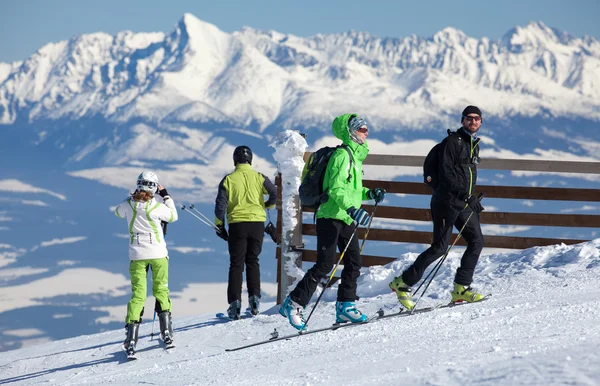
x,y
241,196
344,194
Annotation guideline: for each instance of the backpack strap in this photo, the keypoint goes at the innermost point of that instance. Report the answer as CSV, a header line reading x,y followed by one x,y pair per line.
x,y
351,160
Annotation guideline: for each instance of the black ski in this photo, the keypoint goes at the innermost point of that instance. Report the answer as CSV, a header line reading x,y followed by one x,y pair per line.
x,y
130,352
405,312
275,336
168,344
247,314
380,315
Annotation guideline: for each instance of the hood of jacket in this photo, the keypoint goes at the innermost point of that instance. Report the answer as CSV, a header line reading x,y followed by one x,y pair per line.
x,y
339,127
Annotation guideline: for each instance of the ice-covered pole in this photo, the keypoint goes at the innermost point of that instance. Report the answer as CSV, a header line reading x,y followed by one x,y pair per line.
x,y
289,153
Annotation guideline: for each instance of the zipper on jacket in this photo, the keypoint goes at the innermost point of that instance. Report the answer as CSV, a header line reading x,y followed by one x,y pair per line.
x,y
472,150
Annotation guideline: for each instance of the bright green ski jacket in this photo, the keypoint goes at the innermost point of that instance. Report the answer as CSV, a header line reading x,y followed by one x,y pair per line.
x,y
344,194
241,196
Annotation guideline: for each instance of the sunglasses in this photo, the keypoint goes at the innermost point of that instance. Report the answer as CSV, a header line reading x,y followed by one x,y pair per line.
x,y
469,118
363,130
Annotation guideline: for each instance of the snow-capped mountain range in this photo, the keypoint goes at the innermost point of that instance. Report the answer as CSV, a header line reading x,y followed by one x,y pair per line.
x,y
80,119
201,77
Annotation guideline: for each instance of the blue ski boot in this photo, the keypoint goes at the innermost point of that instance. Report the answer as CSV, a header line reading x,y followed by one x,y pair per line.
x,y
293,311
347,312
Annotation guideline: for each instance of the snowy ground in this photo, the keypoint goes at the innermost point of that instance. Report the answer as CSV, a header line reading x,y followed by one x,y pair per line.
x,y
541,327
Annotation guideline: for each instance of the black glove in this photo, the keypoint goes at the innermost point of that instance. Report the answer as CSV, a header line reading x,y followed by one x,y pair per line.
x,y
377,194
474,203
270,230
359,215
163,192
222,232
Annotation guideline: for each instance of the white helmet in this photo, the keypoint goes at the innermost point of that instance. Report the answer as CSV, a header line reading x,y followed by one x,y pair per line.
x,y
148,182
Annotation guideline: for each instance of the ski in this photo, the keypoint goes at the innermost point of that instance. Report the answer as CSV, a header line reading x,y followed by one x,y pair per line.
x,y
404,312
130,352
247,314
168,345
378,316
275,335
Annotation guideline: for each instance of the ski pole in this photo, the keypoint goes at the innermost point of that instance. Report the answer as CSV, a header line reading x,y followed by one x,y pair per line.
x,y
368,228
331,275
191,206
210,224
437,267
153,320
439,264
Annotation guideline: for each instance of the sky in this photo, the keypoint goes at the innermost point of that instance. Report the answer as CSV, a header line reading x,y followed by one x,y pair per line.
x,y
25,26
539,327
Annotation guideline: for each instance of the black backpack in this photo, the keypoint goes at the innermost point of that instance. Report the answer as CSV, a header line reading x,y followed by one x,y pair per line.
x,y
311,188
432,164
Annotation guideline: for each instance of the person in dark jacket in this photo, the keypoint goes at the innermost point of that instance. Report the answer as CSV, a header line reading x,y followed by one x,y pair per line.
x,y
454,203
336,225
241,198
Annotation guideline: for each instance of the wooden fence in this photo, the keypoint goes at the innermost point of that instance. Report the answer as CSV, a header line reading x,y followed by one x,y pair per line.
x,y
503,218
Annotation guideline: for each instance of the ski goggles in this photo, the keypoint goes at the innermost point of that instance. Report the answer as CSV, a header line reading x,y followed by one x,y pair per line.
x,y
150,184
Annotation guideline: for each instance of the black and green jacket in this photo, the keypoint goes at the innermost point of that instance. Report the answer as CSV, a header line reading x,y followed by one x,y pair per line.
x,y
241,196
457,172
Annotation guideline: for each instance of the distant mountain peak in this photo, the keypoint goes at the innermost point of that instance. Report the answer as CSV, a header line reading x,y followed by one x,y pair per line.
x,y
535,33
450,35
194,26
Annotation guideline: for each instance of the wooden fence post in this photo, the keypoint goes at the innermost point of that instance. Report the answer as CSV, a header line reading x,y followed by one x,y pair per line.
x,y
289,152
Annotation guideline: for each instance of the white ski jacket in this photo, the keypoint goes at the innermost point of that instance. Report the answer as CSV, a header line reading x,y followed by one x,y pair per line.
x,y
146,238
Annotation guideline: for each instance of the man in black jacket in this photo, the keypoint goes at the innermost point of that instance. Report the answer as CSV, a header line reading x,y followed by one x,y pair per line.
x,y
454,202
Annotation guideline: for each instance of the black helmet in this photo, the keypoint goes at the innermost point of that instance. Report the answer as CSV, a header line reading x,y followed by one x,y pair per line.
x,y
241,155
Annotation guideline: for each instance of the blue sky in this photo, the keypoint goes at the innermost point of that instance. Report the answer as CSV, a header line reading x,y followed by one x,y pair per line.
x,y
26,25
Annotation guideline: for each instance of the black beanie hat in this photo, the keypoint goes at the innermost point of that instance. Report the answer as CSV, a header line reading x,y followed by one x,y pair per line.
x,y
471,110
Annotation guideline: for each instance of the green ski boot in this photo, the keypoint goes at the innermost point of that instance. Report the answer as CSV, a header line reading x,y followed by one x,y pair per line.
x,y
402,292
463,293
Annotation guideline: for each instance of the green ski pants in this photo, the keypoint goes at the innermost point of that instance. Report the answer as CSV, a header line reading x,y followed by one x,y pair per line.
x,y
138,271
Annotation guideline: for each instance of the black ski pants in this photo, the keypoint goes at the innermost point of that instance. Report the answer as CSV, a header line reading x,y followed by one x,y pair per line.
x,y
245,244
444,217
332,234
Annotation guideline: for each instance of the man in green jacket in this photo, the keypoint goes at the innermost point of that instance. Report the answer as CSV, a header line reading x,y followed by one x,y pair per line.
x,y
335,224
241,198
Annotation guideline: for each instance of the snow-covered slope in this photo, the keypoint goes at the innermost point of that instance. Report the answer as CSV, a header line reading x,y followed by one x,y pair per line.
x,y
539,328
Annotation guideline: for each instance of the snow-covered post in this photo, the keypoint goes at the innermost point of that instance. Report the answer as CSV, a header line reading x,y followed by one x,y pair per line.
x,y
289,153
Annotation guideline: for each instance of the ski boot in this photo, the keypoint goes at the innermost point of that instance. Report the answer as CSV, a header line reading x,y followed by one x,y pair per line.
x,y
402,292
254,304
293,311
132,330
166,329
347,312
234,310
463,293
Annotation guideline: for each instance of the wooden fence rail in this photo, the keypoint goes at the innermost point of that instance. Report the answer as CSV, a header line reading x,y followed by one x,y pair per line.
x,y
500,218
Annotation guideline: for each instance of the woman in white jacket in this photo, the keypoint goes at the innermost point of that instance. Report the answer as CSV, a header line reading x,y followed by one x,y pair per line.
x,y
148,250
